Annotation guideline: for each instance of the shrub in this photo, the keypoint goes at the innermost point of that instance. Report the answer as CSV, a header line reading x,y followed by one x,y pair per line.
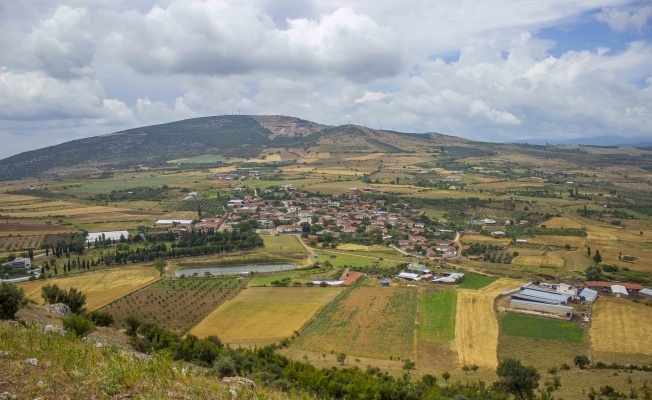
x,y
11,299
225,366
132,322
101,318
78,325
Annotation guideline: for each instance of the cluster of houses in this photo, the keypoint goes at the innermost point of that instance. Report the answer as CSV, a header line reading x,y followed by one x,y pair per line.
x,y
346,214
180,227
550,298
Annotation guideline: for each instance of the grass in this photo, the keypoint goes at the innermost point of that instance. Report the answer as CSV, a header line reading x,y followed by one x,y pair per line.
x,y
366,321
100,287
264,315
283,244
438,316
476,282
72,369
541,328
266,279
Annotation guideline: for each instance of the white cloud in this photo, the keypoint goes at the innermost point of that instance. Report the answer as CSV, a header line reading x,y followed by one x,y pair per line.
x,y
624,20
371,96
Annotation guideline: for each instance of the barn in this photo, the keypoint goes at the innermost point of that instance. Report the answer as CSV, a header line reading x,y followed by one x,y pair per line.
x,y
542,296
588,295
562,311
619,291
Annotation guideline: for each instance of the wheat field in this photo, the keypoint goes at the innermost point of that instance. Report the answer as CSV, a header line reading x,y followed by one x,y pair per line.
x,y
621,326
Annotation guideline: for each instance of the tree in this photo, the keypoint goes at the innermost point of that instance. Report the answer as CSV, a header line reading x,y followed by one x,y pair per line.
x,y
101,318
160,265
225,366
341,357
409,365
466,369
132,323
78,325
594,273
581,361
597,257
52,294
446,376
588,251
75,299
11,299
517,379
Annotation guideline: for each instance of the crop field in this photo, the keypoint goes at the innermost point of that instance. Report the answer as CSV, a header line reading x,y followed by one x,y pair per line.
x,y
559,241
100,287
541,328
177,304
264,315
486,240
476,282
561,222
539,261
353,259
15,243
283,244
27,228
621,326
105,186
438,316
375,322
476,326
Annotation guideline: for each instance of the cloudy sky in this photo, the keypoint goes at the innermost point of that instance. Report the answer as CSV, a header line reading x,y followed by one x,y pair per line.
x,y
492,70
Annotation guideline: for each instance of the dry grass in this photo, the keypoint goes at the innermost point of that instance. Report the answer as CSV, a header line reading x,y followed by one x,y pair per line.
x,y
476,326
100,287
573,241
264,315
621,326
539,261
561,222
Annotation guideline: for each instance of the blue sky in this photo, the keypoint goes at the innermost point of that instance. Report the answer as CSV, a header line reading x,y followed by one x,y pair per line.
x,y
493,70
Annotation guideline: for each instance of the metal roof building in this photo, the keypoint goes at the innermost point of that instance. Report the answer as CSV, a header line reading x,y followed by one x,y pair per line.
x,y
646,291
619,290
563,311
588,295
114,235
543,296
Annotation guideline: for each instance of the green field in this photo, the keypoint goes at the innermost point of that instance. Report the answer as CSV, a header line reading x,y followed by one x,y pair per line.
x,y
438,316
477,281
266,279
213,283
541,328
360,259
104,186
283,244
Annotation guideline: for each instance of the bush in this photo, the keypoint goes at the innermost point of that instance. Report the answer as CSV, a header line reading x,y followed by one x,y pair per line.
x,y
78,325
224,367
101,318
11,299
73,298
132,322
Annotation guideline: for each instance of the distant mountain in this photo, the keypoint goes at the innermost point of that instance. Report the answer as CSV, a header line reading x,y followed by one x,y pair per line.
x,y
616,141
229,135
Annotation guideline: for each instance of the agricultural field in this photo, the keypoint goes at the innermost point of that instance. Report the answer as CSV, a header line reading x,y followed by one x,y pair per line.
x,y
539,261
620,330
264,315
476,282
365,321
359,259
557,241
561,222
438,311
16,243
476,326
541,328
100,287
177,304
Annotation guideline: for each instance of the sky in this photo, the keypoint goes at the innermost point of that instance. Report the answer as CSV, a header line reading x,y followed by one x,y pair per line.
x,y
491,70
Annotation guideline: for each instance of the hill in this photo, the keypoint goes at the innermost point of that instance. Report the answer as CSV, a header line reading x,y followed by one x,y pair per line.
x,y
219,140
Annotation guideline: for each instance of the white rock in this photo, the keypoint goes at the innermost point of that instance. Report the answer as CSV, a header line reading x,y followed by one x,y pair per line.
x,y
32,361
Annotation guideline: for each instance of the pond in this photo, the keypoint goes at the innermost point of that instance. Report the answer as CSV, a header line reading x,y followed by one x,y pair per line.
x,y
237,269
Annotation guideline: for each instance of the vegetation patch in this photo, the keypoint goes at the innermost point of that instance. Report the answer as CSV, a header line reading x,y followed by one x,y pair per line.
x,y
438,316
541,328
476,282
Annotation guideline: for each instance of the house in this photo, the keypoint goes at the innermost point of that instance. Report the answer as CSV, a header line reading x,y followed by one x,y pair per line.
x,y
449,277
289,228
235,203
21,263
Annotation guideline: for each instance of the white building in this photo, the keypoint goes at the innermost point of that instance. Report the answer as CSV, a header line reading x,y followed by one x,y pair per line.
x,y
113,235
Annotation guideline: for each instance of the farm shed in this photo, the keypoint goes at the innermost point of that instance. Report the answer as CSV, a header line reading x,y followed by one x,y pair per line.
x,y
449,277
619,291
329,283
588,295
113,235
408,276
542,296
563,311
352,277
172,221
647,292
605,286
